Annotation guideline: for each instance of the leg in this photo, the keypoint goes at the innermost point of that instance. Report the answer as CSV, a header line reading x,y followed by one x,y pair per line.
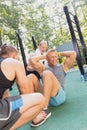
x,y
34,85
32,105
50,89
50,86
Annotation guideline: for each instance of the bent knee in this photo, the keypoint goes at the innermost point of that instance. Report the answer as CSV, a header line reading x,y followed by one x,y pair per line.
x,y
47,72
41,98
32,76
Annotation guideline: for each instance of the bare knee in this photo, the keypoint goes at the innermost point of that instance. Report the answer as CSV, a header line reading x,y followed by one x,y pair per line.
x,y
31,100
47,73
41,98
32,76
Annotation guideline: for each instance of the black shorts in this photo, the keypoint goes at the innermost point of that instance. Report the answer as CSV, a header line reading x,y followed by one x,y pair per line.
x,y
35,73
7,116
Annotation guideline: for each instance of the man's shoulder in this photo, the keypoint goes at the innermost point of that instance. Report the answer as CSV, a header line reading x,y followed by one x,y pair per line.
x,y
11,61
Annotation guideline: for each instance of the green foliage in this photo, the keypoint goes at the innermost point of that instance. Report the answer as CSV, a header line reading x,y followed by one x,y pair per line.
x,y
9,22
33,20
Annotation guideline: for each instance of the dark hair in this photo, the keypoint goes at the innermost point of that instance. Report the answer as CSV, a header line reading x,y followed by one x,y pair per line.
x,y
6,49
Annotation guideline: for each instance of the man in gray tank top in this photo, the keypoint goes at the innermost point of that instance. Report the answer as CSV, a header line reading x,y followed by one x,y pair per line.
x,y
53,75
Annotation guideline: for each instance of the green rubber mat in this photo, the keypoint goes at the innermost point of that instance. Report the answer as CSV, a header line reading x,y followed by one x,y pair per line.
x,y
72,115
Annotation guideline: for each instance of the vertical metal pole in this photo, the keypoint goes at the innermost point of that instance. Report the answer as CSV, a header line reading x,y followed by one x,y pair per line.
x,y
81,38
34,43
22,50
79,62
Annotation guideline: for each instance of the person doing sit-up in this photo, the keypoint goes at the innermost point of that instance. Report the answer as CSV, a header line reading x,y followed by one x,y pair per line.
x,y
53,76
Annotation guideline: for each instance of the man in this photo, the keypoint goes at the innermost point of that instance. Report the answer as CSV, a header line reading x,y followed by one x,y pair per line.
x,y
53,84
42,47
16,111
41,50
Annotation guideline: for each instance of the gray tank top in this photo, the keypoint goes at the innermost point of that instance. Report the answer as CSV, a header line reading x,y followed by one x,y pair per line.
x,y
59,72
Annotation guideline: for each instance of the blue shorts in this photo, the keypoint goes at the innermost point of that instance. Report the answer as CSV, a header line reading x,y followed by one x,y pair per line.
x,y
58,99
16,103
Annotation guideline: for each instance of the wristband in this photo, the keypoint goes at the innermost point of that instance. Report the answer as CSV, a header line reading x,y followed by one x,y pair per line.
x,y
59,54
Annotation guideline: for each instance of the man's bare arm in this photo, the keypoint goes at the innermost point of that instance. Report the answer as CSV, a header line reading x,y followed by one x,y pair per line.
x,y
70,58
36,64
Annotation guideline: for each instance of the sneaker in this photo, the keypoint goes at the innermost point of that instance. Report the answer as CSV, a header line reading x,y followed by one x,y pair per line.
x,y
48,114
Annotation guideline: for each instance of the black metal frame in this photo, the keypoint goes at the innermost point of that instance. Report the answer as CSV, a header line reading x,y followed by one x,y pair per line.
x,y
22,49
84,49
74,40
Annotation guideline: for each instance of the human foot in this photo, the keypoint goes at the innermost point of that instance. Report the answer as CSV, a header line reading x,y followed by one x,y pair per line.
x,y
41,118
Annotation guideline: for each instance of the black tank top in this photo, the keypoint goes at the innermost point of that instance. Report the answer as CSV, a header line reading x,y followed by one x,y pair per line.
x,y
4,82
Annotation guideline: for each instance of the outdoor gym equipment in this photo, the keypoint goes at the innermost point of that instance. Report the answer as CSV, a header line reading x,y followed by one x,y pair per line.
x,y
34,43
76,41
84,49
22,49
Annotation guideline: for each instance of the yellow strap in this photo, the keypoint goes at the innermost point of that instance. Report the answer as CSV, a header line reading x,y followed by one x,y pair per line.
x,y
59,54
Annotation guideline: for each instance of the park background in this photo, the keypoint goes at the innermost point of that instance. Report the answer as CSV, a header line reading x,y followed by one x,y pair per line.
x,y
30,21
